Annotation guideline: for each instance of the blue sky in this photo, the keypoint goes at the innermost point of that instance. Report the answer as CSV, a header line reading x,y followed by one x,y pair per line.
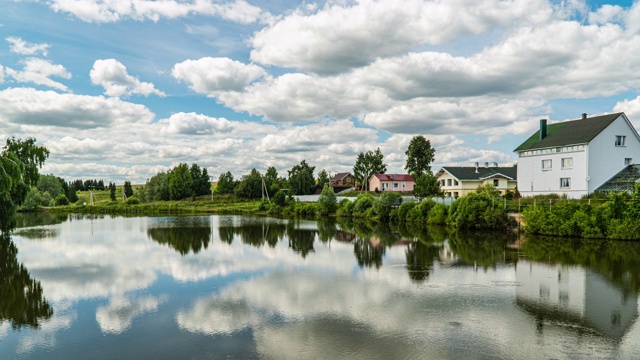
x,y
119,90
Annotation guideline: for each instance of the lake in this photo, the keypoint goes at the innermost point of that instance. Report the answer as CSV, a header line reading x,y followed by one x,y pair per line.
x,y
237,287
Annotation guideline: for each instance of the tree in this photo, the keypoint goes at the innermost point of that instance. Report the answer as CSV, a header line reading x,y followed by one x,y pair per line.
x,y
49,183
19,164
427,186
250,186
226,184
366,165
323,178
112,191
301,179
420,155
273,181
488,189
327,203
201,184
180,182
128,190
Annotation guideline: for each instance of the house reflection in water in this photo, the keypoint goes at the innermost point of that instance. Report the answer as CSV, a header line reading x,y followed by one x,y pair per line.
x,y
575,295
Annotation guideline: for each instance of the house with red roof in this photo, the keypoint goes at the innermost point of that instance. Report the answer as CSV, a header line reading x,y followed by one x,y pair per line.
x,y
391,182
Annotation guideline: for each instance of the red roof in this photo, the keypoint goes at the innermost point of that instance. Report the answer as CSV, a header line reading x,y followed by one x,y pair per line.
x,y
394,177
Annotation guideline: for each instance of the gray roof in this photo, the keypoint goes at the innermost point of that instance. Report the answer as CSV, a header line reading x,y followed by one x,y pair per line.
x,y
469,172
572,132
625,180
340,176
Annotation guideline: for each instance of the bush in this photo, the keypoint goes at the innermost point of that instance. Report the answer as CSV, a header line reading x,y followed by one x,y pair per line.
x,y
361,205
385,203
327,202
437,215
404,209
280,198
133,201
420,212
477,211
346,207
61,200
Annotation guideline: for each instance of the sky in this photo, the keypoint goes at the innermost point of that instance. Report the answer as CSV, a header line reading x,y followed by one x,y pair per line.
x,y
123,89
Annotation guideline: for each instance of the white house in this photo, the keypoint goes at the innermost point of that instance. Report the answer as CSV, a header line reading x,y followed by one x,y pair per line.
x,y
576,157
458,181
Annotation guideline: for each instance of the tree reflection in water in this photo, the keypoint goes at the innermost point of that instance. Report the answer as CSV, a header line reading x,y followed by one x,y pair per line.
x,y
420,257
483,248
367,253
21,298
184,234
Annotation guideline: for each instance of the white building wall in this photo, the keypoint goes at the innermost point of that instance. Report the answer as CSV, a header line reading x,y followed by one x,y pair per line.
x,y
532,180
606,159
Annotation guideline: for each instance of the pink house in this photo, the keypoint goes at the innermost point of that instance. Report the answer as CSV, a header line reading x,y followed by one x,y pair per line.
x,y
391,182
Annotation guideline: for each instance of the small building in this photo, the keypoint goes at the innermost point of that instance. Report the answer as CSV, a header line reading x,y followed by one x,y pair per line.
x,y
344,179
456,181
574,158
391,182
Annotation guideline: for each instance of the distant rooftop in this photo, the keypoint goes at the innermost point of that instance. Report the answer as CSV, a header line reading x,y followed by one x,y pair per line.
x,y
469,172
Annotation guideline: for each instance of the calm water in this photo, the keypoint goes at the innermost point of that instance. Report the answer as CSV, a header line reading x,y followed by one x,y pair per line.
x,y
242,288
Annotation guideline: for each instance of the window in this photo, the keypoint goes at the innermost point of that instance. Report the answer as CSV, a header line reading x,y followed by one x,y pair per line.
x,y
565,183
385,185
455,194
455,182
442,182
448,182
403,185
448,194
496,182
546,165
567,163
395,185
620,140
628,161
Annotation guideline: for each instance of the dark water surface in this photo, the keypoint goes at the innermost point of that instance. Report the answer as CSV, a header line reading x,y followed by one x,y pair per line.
x,y
233,287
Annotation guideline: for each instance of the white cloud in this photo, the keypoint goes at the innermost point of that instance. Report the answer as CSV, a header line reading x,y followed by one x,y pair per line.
x,y
28,106
39,71
326,41
118,315
113,76
106,11
22,47
605,14
213,75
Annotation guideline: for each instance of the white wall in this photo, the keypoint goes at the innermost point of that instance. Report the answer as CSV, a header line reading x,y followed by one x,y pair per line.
x,y
606,159
532,180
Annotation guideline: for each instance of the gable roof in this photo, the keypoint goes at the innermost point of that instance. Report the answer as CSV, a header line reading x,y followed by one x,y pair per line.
x,y
393,177
625,180
571,132
469,172
340,176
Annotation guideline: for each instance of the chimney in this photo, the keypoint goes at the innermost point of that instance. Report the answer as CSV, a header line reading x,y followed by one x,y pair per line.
x,y
486,164
584,116
543,128
477,164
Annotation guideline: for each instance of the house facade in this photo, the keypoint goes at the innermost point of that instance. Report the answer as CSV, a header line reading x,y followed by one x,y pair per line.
x,y
574,158
342,180
391,182
459,181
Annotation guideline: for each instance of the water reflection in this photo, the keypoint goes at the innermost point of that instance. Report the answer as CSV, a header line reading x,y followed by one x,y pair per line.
x,y
184,234
246,287
22,301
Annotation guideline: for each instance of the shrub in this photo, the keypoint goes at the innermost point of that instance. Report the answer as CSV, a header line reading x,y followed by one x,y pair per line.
x,y
280,198
477,211
327,202
437,215
133,201
421,211
61,200
361,205
404,209
346,207
385,203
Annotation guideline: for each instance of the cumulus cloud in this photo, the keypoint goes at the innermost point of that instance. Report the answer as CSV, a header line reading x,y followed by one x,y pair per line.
x,y
113,77
39,71
117,316
29,106
105,11
22,47
324,41
213,75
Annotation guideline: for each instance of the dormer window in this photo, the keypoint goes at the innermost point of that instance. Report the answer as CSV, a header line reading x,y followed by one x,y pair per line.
x,y
620,140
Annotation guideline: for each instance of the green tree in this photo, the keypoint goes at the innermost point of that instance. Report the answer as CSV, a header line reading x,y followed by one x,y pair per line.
x,y
386,202
128,190
488,189
327,202
51,184
226,185
19,164
157,188
367,164
323,178
180,182
420,155
273,181
61,200
201,184
112,191
250,186
427,186
301,179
